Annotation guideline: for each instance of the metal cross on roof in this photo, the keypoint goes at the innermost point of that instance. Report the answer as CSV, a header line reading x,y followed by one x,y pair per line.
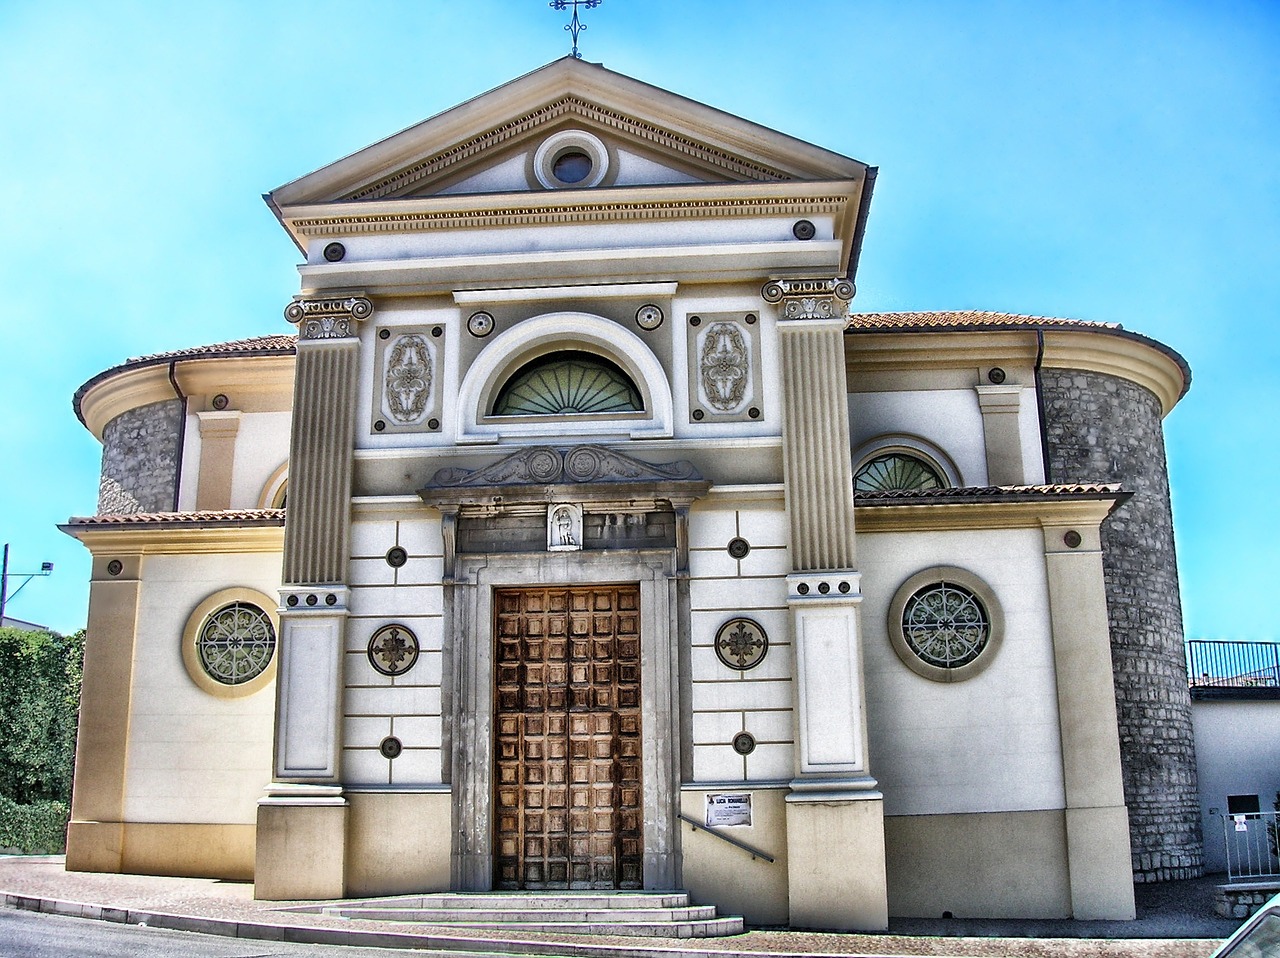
x,y
574,26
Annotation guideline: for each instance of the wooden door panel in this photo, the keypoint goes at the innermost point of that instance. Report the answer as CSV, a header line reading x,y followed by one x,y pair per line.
x,y
567,725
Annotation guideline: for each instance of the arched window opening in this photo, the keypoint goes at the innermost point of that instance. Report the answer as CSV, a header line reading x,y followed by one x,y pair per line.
x,y
568,383
897,472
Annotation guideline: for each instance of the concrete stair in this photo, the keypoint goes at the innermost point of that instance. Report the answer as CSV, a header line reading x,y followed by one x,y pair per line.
x,y
666,914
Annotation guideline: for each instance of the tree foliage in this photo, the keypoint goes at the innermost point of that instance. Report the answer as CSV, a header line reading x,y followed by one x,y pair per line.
x,y
39,705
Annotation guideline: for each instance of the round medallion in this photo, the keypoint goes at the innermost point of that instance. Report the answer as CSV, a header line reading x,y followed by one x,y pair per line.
x,y
220,402
480,324
741,643
739,547
334,252
115,567
649,317
390,747
393,650
1072,539
744,743
804,230
396,557
996,375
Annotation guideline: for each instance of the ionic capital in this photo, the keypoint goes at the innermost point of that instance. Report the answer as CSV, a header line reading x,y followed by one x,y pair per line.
x,y
809,298
331,318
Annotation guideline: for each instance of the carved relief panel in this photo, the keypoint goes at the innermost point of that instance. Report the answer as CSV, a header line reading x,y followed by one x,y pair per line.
x,y
406,379
724,367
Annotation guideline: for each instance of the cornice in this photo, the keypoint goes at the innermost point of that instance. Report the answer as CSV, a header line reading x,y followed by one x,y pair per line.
x,y
178,540
1129,356
1108,350
940,516
835,198
268,379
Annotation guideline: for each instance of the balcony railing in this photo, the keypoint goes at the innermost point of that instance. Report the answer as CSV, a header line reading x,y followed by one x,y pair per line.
x,y
1213,664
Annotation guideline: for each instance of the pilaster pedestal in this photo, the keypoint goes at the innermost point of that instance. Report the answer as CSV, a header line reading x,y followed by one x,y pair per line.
x,y
301,843
835,857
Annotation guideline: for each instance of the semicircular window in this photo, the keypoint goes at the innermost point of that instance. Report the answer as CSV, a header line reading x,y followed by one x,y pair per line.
x,y
896,472
568,384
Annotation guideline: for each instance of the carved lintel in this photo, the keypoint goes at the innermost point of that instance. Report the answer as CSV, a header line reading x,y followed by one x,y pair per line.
x,y
331,318
809,298
543,465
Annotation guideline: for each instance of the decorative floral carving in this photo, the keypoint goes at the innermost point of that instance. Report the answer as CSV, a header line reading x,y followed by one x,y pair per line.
x,y
741,643
724,364
407,378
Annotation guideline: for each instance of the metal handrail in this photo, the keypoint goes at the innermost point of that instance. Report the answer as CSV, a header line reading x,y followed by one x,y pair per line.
x,y
753,852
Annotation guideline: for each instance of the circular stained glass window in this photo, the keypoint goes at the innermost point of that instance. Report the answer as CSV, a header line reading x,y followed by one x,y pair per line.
x,y
946,625
567,384
896,472
236,643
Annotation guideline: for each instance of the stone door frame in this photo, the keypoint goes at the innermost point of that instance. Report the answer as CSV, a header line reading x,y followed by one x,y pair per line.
x,y
469,653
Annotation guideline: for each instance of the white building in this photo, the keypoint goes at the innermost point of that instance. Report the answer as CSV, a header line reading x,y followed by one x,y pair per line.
x,y
569,440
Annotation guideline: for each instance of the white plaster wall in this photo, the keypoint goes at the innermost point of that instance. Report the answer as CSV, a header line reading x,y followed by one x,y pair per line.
x,y
726,701
948,418
262,446
194,757
1029,433
407,706
1237,753
990,743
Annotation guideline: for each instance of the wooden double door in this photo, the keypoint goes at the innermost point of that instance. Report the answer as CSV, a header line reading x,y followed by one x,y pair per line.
x,y
567,747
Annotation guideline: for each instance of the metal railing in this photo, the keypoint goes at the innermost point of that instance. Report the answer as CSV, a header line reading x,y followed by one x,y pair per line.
x,y
1238,665
1251,842
700,827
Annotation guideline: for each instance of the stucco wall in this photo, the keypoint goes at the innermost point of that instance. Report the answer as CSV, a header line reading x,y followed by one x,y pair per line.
x,y
1102,428
211,766
1237,753
990,743
140,459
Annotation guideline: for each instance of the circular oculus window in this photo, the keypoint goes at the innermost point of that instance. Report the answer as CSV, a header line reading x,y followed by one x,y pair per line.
x,y
945,624
229,643
571,158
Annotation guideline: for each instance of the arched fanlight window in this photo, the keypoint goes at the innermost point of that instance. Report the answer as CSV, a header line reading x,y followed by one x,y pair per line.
x,y
568,383
895,472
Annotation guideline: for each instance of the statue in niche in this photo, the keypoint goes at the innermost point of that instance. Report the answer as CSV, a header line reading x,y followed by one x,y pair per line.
x,y
564,527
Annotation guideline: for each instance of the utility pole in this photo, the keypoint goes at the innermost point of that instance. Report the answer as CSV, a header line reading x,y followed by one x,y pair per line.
x,y
46,568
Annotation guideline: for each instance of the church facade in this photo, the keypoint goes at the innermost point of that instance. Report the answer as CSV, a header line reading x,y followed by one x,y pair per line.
x,y
583,538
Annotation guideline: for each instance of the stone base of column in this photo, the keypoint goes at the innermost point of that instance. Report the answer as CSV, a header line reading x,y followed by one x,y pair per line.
x,y
1099,863
835,857
301,843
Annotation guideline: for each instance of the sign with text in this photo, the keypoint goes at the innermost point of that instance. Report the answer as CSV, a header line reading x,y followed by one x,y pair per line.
x,y
733,808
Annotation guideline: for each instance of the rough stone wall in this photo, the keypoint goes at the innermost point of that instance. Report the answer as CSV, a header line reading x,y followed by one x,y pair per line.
x,y
140,459
1105,429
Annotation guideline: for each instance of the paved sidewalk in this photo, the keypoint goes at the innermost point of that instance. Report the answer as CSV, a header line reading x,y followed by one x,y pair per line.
x,y
1175,920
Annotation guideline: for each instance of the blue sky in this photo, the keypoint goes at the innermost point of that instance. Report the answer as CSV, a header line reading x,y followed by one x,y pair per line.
x,y
1097,160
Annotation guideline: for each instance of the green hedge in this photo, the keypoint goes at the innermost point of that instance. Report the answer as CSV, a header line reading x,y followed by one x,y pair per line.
x,y
39,705
37,829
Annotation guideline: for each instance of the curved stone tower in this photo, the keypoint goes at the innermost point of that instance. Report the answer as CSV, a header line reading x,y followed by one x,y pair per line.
x,y
1103,428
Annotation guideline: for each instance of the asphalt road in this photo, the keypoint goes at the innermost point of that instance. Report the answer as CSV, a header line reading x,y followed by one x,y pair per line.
x,y
26,934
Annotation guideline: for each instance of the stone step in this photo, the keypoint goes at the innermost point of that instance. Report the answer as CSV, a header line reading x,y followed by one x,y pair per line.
x,y
666,914
593,900
710,928
542,915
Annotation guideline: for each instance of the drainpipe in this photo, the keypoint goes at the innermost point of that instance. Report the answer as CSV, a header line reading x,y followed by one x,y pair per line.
x,y
182,432
1044,430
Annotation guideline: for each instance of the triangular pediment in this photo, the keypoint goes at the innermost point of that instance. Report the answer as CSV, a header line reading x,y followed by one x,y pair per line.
x,y
489,144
